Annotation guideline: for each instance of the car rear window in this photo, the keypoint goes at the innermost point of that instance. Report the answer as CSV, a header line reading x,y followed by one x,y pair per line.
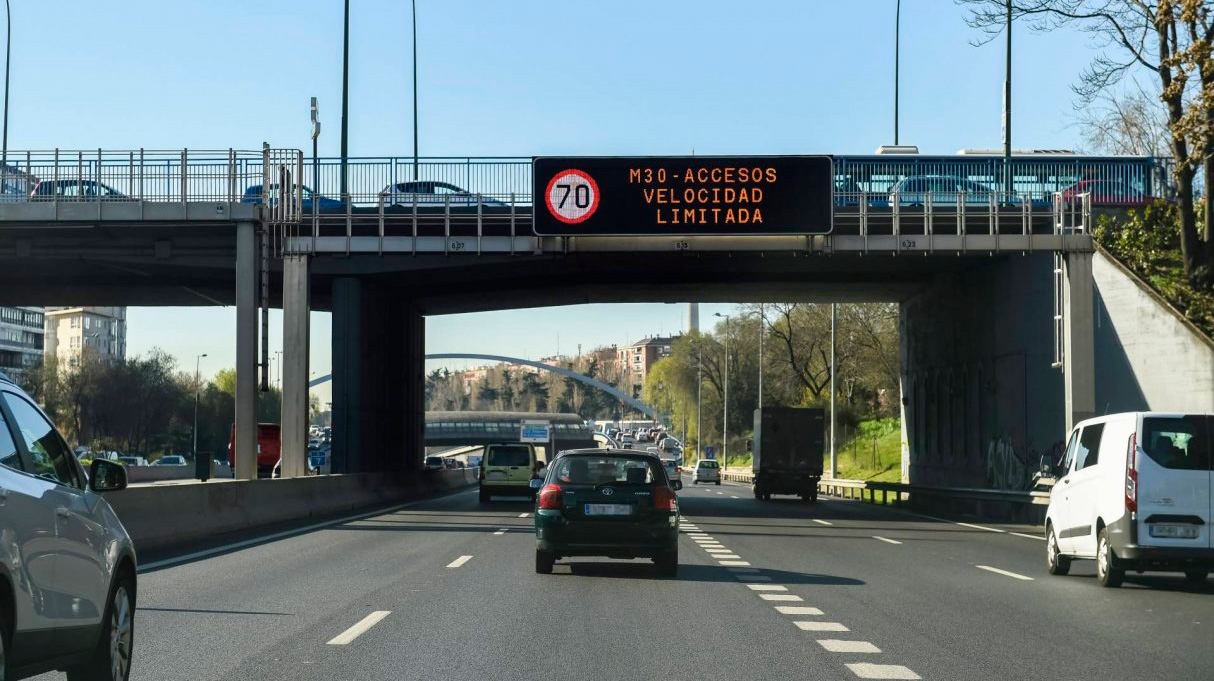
x,y
1182,443
708,464
509,455
596,470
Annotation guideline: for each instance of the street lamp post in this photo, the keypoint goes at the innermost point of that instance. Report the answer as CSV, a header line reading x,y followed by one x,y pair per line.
x,y
897,52
8,50
415,89
725,406
699,393
194,433
762,332
345,99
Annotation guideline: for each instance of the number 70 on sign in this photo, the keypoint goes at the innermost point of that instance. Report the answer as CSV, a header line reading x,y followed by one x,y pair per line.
x,y
572,196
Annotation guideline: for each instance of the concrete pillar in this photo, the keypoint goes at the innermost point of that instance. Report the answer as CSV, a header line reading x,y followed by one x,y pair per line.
x,y
378,403
1079,366
295,308
246,351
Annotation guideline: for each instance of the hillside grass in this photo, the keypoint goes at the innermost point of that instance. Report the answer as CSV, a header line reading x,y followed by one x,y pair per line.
x,y
873,452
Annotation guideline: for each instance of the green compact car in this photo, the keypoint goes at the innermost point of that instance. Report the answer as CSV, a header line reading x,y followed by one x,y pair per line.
x,y
607,502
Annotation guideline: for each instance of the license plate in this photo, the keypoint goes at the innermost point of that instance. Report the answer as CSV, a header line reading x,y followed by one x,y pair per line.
x,y
495,475
608,509
1174,531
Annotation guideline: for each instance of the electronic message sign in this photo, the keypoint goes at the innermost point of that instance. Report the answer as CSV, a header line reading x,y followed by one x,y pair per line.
x,y
682,195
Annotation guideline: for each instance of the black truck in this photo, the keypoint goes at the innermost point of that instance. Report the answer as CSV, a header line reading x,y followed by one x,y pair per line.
x,y
788,449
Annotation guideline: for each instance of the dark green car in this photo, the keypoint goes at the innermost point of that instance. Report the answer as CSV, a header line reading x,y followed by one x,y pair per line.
x,y
607,502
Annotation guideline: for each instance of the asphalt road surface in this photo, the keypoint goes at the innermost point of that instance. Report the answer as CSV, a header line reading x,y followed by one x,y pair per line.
x,y
446,589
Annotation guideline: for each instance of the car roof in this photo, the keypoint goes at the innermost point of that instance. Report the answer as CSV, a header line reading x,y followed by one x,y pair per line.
x,y
608,452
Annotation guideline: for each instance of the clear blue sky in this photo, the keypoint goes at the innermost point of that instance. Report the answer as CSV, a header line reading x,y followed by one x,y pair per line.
x,y
518,78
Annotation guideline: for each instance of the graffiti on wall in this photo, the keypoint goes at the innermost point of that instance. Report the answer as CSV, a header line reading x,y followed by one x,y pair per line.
x,y
1005,469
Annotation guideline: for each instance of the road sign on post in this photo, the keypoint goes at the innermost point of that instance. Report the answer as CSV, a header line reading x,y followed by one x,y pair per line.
x,y
535,432
709,452
683,195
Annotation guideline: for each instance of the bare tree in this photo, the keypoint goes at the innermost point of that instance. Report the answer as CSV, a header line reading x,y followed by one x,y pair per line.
x,y
1170,38
1131,123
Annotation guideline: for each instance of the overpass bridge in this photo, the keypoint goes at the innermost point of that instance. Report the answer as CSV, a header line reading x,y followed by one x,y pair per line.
x,y
993,275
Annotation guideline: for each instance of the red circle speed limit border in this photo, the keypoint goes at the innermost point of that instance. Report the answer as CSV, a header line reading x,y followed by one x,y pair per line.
x,y
572,196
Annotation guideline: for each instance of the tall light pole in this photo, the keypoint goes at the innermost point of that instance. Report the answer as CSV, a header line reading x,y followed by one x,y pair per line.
x,y
194,435
345,99
897,52
1007,104
833,321
8,50
699,393
415,89
725,406
762,332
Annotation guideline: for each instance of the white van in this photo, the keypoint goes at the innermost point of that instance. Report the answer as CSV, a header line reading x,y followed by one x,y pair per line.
x,y
1134,492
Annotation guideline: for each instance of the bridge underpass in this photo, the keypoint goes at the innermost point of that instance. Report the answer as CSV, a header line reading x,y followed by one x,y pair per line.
x,y
976,284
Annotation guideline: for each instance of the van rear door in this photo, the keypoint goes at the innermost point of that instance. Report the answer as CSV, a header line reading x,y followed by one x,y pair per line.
x,y
1175,481
509,464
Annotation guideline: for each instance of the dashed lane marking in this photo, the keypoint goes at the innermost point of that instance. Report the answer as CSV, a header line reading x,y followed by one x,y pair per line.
x,y
726,558
816,625
981,527
501,531
822,522
735,563
459,561
732,496
866,670
1005,573
345,637
836,645
780,597
766,587
887,541
797,610
1027,536
752,578
524,515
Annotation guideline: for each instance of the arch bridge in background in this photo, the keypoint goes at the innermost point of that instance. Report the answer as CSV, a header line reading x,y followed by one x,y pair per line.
x,y
569,373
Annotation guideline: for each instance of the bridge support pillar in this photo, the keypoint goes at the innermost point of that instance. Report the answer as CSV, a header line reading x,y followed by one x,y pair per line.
x,y
1079,365
246,351
296,305
378,355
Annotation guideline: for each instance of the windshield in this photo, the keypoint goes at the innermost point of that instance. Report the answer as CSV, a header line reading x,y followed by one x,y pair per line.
x,y
707,464
433,460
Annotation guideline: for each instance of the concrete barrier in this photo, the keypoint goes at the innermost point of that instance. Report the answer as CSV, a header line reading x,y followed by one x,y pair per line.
x,y
173,517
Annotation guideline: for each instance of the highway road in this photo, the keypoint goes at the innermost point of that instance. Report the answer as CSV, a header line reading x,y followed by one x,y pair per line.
x,y
446,589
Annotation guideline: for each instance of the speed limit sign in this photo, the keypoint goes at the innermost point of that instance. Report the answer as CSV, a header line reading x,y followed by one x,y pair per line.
x,y
572,196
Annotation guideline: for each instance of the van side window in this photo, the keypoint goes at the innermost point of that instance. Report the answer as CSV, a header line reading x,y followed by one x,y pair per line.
x,y
1089,446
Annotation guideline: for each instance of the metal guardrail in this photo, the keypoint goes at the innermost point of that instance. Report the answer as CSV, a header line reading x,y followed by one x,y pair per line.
x,y
867,490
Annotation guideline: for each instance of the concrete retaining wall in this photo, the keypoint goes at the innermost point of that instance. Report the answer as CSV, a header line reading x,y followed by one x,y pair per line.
x,y
172,517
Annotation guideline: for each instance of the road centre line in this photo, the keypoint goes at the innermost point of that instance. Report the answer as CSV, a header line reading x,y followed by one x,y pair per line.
x,y
866,670
887,541
1005,573
255,541
359,629
459,561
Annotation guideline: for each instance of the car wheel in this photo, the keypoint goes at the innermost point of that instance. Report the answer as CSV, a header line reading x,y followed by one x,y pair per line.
x,y
483,496
1107,573
544,561
668,563
1196,575
1055,562
718,482
112,659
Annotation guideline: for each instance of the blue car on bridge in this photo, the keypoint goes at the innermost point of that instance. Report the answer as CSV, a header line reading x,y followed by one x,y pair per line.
x,y
255,194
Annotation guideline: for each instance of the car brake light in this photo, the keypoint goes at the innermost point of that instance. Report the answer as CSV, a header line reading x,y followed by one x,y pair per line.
x,y
550,496
664,499
1131,475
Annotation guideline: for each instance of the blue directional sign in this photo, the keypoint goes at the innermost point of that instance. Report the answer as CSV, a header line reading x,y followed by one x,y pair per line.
x,y
534,431
709,452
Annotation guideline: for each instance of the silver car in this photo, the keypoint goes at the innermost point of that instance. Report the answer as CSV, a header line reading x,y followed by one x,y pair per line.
x,y
706,470
67,566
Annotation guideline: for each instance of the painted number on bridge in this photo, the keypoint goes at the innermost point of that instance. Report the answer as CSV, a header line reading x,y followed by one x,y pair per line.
x,y
572,196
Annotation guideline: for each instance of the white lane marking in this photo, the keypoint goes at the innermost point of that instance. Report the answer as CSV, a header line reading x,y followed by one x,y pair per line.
x,y
732,496
980,527
265,539
721,493
752,578
766,587
707,542
1026,536
524,515
459,561
797,610
501,531
779,597
822,522
815,625
1005,573
725,558
887,541
866,670
345,637
697,534
836,645
728,563
743,569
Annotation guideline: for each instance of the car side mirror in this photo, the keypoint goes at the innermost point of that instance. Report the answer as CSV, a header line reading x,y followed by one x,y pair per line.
x,y
107,476
537,483
1047,466
676,485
